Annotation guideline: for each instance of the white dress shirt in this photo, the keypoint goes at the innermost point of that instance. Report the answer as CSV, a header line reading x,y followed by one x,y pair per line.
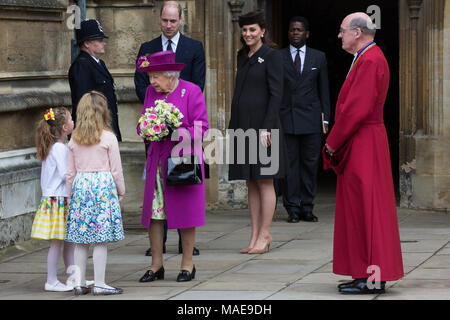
x,y
53,173
175,40
302,54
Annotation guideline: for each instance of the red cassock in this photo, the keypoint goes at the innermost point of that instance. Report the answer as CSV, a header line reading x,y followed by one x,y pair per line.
x,y
366,227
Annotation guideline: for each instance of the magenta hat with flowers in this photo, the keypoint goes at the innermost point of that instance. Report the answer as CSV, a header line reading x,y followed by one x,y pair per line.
x,y
160,61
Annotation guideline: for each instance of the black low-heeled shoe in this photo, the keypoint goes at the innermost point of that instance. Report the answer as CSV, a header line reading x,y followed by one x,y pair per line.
x,y
347,284
360,287
309,217
185,275
150,276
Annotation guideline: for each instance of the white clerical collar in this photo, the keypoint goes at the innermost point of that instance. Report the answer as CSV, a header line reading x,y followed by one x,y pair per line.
x,y
174,39
294,49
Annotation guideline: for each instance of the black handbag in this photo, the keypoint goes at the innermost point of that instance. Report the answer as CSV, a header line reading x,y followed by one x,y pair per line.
x,y
183,171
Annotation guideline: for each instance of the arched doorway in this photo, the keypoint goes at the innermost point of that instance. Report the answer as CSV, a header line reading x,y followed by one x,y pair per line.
x,y
325,17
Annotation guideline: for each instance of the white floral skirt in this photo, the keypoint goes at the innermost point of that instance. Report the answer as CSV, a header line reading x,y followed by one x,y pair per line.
x,y
94,211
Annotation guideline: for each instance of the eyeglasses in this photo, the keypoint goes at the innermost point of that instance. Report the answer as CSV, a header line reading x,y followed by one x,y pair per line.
x,y
342,31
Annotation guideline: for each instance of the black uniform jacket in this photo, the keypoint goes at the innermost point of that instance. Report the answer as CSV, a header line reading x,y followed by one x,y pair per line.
x,y
85,75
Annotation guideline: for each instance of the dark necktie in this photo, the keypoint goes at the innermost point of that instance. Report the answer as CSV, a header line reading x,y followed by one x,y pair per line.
x,y
169,45
298,62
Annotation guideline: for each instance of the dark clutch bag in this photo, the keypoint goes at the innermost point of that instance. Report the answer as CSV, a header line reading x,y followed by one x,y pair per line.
x,y
183,171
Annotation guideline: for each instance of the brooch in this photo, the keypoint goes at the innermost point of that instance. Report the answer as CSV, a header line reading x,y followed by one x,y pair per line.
x,y
183,92
260,60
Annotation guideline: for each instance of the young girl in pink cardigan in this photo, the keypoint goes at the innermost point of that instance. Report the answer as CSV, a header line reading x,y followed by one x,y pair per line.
x,y
95,185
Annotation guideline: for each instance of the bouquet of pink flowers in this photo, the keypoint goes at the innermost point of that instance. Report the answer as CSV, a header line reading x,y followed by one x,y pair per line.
x,y
160,121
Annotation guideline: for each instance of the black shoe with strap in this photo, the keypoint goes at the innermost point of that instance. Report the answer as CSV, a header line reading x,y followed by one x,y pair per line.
x,y
150,276
185,275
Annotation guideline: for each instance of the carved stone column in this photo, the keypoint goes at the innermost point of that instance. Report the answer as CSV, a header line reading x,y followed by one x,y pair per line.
x,y
236,9
409,94
424,146
414,14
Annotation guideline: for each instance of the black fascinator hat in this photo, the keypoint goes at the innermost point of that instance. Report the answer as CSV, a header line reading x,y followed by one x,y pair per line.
x,y
254,17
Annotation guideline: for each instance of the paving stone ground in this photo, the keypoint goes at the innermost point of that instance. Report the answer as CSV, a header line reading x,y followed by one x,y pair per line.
x,y
298,266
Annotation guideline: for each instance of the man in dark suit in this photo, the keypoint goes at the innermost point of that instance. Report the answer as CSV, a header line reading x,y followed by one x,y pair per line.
x,y
88,72
187,51
304,116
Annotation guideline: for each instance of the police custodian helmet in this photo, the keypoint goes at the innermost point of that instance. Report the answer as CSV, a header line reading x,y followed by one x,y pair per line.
x,y
89,30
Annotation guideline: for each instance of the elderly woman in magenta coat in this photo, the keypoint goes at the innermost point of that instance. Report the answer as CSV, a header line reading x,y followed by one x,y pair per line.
x,y
182,206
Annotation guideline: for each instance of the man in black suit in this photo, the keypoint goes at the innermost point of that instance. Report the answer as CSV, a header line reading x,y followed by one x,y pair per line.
x,y
88,72
304,116
187,51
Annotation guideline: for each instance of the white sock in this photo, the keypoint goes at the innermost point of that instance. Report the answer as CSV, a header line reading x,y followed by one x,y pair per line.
x,y
52,261
100,255
80,258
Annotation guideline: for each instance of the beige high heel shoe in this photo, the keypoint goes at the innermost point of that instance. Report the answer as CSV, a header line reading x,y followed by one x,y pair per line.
x,y
262,250
246,250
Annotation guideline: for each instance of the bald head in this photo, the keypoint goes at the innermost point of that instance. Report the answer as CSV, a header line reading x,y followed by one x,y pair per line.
x,y
362,21
357,30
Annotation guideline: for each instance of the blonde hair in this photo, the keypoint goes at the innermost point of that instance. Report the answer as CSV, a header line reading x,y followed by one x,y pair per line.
x,y
49,131
92,118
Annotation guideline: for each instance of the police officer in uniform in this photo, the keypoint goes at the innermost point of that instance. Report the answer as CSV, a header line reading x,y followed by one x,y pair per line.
x,y
88,72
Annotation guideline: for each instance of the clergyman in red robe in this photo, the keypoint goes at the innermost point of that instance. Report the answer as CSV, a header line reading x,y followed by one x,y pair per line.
x,y
366,235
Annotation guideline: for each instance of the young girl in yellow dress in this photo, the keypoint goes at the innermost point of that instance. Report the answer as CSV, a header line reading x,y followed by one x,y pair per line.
x,y
51,216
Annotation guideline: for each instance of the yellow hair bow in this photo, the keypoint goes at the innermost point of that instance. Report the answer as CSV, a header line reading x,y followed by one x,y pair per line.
x,y
49,114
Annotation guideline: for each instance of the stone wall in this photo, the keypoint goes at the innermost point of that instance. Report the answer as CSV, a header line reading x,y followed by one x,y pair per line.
x,y
35,52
